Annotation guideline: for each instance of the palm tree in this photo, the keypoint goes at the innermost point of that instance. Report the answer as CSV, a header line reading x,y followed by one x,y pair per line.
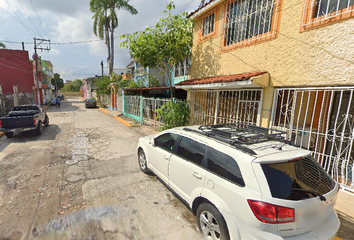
x,y
106,20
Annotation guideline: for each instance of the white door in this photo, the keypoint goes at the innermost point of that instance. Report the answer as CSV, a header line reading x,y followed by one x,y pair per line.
x,y
160,153
186,171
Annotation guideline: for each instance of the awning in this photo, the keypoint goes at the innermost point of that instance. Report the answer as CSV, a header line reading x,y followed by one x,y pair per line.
x,y
254,79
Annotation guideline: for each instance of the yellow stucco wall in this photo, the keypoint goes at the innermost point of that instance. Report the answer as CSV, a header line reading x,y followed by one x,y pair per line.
x,y
318,57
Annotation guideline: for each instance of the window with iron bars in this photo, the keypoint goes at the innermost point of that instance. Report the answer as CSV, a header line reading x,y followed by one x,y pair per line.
x,y
325,7
208,24
182,67
249,20
317,12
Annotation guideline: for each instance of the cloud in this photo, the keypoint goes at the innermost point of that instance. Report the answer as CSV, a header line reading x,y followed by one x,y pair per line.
x,y
71,21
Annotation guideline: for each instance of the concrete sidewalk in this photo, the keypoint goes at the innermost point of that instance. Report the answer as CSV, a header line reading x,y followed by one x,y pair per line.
x,y
141,129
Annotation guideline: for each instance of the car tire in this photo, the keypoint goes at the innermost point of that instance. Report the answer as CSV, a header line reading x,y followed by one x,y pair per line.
x,y
39,129
211,223
9,134
46,121
142,162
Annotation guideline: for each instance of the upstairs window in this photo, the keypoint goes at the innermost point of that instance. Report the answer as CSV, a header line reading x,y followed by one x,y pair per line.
x,y
208,24
249,21
182,67
328,7
319,12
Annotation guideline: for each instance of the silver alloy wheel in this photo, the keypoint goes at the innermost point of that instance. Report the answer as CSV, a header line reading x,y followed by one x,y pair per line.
x,y
209,225
142,160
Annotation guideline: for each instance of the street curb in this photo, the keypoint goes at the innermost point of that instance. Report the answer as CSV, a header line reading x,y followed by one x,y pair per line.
x,y
117,118
122,121
103,110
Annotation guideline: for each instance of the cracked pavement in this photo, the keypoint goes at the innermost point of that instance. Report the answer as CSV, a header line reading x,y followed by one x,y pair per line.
x,y
80,180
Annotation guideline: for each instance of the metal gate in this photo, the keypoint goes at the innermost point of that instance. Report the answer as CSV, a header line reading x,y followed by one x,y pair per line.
x,y
320,120
217,107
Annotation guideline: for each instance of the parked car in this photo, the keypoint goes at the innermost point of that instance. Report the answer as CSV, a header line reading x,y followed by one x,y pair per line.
x,y
24,118
244,182
52,101
90,103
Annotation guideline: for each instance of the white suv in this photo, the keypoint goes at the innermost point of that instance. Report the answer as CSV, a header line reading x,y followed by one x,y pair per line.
x,y
244,182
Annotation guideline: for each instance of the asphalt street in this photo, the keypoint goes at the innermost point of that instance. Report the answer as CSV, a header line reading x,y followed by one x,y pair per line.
x,y
80,180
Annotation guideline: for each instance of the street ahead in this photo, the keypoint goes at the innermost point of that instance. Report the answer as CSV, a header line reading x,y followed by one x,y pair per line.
x,y
81,180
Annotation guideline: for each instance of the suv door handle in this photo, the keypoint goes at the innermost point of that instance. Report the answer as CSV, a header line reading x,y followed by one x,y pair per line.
x,y
166,157
195,174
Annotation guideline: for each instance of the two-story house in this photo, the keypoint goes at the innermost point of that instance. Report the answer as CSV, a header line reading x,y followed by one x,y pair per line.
x,y
284,64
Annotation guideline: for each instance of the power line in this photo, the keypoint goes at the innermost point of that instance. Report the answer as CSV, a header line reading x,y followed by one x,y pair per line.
x,y
39,18
187,5
19,19
16,68
30,19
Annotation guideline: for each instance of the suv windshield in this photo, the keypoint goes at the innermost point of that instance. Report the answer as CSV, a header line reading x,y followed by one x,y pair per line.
x,y
298,179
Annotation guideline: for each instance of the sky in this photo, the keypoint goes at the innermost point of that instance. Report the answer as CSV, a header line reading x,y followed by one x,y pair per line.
x,y
75,52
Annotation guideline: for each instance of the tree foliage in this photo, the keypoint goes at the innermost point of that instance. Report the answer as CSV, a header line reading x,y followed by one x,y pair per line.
x,y
75,85
2,45
164,45
57,81
103,85
173,115
106,20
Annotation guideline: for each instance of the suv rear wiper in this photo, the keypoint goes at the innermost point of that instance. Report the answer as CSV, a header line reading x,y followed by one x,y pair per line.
x,y
310,191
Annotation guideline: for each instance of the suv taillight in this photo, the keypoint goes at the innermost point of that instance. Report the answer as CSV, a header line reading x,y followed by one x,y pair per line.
x,y
34,121
270,213
0,123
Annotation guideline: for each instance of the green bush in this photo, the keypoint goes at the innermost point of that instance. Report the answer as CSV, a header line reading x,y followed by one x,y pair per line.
x,y
173,114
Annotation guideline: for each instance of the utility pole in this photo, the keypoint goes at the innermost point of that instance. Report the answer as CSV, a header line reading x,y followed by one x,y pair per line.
x,y
102,68
35,57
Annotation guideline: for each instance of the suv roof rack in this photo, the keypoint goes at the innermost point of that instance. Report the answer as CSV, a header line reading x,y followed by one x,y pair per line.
x,y
236,134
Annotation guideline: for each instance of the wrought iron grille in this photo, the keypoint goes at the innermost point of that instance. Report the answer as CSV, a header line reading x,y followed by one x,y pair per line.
x,y
248,20
220,107
322,121
320,10
132,105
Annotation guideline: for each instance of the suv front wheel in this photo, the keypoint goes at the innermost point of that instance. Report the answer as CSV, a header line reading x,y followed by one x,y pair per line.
x,y
142,162
211,223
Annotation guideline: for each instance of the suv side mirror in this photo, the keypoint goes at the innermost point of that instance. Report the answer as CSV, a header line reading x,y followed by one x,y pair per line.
x,y
152,141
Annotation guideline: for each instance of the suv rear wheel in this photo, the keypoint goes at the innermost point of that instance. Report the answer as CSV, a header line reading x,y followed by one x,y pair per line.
x,y
211,223
142,162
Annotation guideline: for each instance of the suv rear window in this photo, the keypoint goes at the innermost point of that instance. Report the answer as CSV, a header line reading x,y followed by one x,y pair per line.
x,y
290,180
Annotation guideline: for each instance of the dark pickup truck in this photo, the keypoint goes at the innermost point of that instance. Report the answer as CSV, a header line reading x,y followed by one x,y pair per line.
x,y
25,118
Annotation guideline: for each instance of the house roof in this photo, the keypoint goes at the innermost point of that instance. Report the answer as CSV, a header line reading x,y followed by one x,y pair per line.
x,y
147,89
221,79
200,8
130,65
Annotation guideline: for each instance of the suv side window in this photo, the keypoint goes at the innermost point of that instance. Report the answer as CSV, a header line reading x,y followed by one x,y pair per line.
x,y
166,141
224,166
191,150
